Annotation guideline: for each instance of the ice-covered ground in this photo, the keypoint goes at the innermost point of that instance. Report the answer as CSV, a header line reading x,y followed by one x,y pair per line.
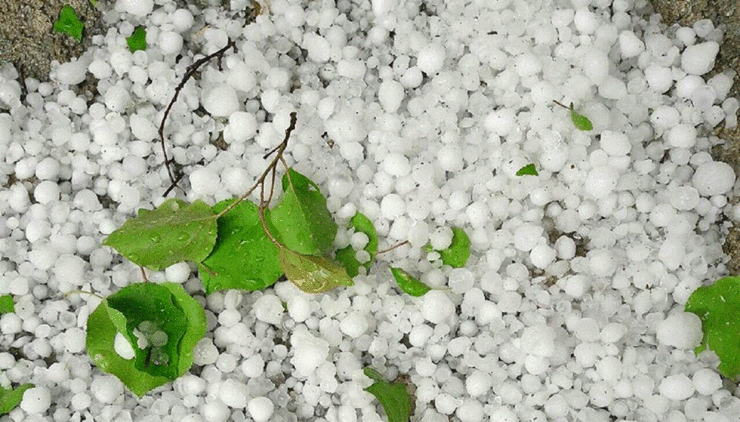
x,y
417,114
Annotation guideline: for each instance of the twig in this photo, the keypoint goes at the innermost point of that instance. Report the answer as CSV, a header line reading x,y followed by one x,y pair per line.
x,y
396,246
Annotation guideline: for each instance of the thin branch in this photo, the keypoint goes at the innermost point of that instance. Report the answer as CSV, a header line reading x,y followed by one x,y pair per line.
x,y
397,245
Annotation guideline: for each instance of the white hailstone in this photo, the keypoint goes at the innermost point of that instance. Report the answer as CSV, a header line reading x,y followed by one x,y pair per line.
x,y
390,95
538,340
615,143
659,78
430,58
707,381
36,400
220,101
204,181
587,330
80,401
229,317
698,59
500,122
48,169
542,256
461,280
142,127
138,8
450,158
609,368
72,73
595,65
70,269
527,236
470,411
177,273
205,353
601,181
420,334
354,324
10,324
261,409
241,77
215,411
74,340
613,332
601,394
445,403
345,128
676,387
509,302
182,19
392,206
713,178
601,262
233,394
478,383
681,330
170,43
318,47
436,306
269,309
309,352
117,98
299,308
478,214
37,230
242,126
396,165
253,366
123,348
630,44
504,414
106,388
577,285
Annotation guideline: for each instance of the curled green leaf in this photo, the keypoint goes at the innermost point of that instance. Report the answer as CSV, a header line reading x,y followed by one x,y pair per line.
x,y
393,397
457,254
408,283
162,324
718,307
137,40
528,170
346,256
68,23
313,274
244,257
174,232
301,220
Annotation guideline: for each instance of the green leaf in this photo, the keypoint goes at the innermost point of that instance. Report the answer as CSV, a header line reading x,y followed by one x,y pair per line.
x,y
458,253
313,274
718,307
301,220
393,397
528,170
244,257
346,256
172,233
9,399
408,283
68,23
161,322
137,40
6,304
580,121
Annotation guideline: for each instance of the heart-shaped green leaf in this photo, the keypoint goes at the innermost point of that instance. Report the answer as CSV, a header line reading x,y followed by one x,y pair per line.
x,y
11,398
137,40
393,397
408,283
313,274
301,220
68,23
160,321
346,256
172,233
718,307
244,257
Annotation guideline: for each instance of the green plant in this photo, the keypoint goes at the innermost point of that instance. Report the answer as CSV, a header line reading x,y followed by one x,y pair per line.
x,y
718,307
6,304
137,40
10,398
68,23
347,256
393,397
528,170
408,283
579,120
457,254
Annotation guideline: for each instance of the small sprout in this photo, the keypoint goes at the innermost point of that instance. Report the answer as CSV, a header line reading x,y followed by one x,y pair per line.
x,y
393,397
528,170
408,283
137,40
579,120
68,23
6,305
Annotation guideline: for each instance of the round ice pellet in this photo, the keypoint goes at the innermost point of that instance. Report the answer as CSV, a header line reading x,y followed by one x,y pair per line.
x,y
542,256
707,381
436,306
234,394
123,348
138,8
601,181
106,388
261,409
601,262
354,324
390,95
430,58
615,143
681,330
269,309
392,206
177,273
253,366
713,178
204,181
676,387
220,101
36,400
698,59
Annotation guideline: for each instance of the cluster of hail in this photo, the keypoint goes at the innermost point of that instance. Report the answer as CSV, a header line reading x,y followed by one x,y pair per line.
x,y
418,114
